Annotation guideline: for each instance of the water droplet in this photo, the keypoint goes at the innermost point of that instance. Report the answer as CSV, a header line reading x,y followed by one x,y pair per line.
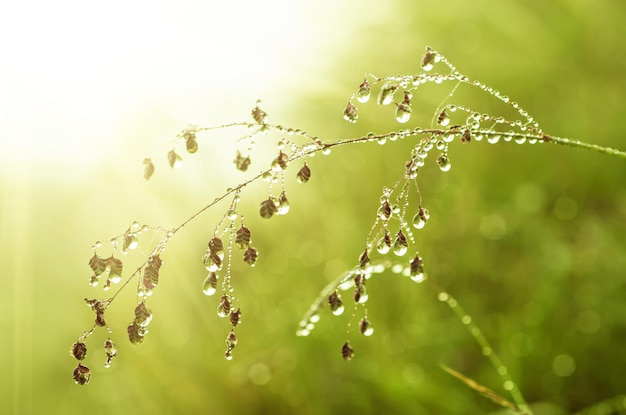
x,y
326,150
303,332
403,112
174,160
420,218
347,351
365,327
360,294
443,119
400,245
191,144
384,244
232,214
466,137
209,286
428,60
384,211
520,140
148,169
493,139
143,315
283,204
268,208
385,97
364,92
335,303
448,138
350,114
416,269
250,256
444,162
304,174
225,306
111,351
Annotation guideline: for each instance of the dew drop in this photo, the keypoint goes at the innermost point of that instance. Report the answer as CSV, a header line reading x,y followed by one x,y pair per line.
x,y
304,174
209,286
400,245
347,351
338,310
225,307
420,218
385,97
174,160
360,294
493,139
520,140
303,332
365,327
448,138
444,162
384,244
428,60
335,303
232,214
349,114
364,92
443,119
283,204
403,113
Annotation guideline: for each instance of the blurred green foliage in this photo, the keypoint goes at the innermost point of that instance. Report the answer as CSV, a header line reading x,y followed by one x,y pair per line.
x,y
529,239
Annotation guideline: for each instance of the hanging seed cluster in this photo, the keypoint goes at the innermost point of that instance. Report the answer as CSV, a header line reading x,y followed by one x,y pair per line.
x,y
110,269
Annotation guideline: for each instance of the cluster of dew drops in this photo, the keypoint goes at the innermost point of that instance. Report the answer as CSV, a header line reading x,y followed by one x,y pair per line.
x,y
232,232
394,202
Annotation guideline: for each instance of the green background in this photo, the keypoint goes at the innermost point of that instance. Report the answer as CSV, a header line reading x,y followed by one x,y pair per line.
x,y
547,290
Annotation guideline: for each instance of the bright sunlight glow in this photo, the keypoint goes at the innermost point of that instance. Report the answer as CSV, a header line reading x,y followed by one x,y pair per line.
x,y
87,81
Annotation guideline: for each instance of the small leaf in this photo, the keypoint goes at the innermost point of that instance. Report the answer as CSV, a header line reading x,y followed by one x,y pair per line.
x,y
143,315
347,351
335,303
81,375
250,256
100,320
242,163
97,264
283,204
235,317
258,114
135,333
242,237
280,162
268,208
190,141
115,269
216,245
79,350
129,242
148,169
212,262
151,273
350,113
385,96
174,160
